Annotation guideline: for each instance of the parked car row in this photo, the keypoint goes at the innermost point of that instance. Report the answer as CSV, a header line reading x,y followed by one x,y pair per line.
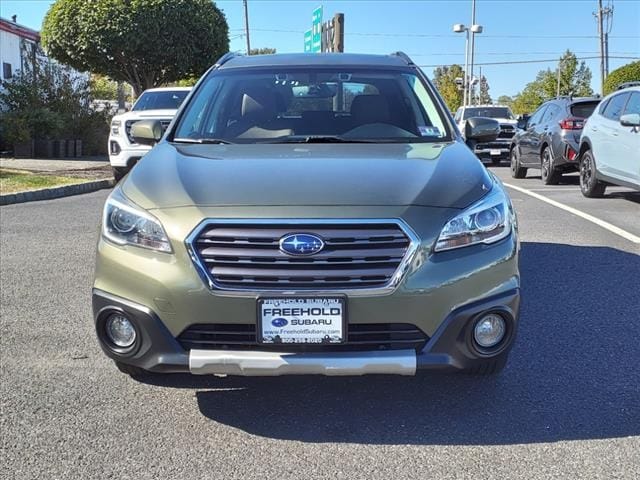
x,y
600,138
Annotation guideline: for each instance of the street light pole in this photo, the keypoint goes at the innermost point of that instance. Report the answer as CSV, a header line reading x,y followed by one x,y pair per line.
x,y
459,28
473,36
466,68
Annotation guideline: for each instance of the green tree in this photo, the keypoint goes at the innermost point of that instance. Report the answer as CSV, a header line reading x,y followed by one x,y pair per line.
x,y
146,43
444,79
575,79
483,94
262,51
627,73
103,87
505,100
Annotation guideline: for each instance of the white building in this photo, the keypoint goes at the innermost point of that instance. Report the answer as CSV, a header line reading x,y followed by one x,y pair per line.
x,y
17,45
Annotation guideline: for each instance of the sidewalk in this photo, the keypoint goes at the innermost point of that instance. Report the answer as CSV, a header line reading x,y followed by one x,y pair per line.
x,y
55,177
57,165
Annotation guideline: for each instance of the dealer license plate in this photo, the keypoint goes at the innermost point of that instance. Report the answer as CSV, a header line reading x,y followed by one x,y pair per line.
x,y
494,151
301,320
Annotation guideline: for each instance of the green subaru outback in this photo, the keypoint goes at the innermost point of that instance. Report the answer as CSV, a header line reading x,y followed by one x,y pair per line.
x,y
309,214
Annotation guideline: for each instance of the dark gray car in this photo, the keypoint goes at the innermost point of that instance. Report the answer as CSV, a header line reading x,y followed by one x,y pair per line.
x,y
549,139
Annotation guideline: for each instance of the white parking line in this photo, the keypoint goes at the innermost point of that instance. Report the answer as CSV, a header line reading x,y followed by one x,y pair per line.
x,y
601,223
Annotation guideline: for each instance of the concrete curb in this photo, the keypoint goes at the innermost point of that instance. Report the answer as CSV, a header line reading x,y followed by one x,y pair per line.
x,y
56,192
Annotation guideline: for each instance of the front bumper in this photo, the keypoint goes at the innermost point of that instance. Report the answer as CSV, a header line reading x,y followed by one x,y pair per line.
x,y
492,150
122,154
450,348
441,294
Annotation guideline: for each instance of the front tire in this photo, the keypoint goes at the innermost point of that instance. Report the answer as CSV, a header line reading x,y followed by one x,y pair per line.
x,y
590,186
516,170
119,172
550,176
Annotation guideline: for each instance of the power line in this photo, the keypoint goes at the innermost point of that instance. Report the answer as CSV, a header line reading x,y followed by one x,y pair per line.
x,y
439,35
442,54
517,62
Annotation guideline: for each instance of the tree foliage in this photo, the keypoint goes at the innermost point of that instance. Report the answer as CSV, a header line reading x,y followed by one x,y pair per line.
x,y
103,87
483,93
627,73
444,79
47,100
575,80
146,43
262,51
505,100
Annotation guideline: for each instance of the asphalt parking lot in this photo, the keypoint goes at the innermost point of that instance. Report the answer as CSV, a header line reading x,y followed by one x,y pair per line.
x,y
566,406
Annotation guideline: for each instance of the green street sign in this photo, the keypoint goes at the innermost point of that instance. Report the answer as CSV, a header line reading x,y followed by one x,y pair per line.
x,y
316,30
308,40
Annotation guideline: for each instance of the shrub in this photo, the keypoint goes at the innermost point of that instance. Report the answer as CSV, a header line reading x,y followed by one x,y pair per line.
x,y
627,73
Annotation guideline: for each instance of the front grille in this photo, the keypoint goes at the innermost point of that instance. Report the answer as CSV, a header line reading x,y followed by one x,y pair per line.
x,y
360,337
507,131
129,123
247,256
493,145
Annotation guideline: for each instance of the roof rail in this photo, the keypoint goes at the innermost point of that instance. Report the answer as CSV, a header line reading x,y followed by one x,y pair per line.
x,y
225,58
404,57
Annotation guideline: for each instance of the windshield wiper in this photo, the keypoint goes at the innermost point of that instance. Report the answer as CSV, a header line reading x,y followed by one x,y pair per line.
x,y
203,141
320,139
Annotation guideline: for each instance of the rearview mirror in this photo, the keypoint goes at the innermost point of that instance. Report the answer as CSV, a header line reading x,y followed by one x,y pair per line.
x,y
481,129
146,132
630,120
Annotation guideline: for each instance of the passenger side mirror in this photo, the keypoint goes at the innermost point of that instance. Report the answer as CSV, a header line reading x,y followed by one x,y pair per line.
x,y
523,121
630,120
481,129
146,132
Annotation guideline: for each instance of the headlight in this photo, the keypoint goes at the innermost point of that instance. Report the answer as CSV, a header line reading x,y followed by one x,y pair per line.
x,y
489,220
115,127
126,224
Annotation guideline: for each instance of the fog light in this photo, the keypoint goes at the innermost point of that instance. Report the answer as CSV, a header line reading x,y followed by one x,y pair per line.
x,y
120,330
489,330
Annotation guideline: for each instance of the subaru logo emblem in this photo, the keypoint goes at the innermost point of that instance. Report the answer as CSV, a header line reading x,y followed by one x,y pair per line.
x,y
279,322
301,244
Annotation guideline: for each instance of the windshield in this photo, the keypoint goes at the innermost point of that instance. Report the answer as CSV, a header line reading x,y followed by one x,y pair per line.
x,y
164,100
491,112
312,104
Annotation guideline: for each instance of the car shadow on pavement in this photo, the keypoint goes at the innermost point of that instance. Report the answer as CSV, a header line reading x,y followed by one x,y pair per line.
x,y
573,374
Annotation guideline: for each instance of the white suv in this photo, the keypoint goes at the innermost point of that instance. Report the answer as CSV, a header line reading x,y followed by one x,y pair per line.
x,y
499,149
610,144
154,104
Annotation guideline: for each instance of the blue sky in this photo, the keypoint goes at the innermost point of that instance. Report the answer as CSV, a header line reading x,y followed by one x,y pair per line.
x,y
514,30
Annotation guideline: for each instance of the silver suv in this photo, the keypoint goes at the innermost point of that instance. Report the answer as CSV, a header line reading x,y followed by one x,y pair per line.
x,y
610,144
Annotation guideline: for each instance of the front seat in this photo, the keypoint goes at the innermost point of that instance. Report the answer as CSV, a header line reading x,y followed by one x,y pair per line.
x,y
258,116
368,109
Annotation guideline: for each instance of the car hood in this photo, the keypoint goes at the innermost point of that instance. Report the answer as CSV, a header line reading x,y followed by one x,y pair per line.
x,y
143,114
435,175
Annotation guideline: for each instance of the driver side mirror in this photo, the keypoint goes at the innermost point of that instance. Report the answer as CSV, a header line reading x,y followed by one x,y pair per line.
x,y
146,132
481,129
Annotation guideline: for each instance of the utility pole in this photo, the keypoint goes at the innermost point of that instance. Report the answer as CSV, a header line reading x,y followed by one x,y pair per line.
x,y
246,26
603,17
338,32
